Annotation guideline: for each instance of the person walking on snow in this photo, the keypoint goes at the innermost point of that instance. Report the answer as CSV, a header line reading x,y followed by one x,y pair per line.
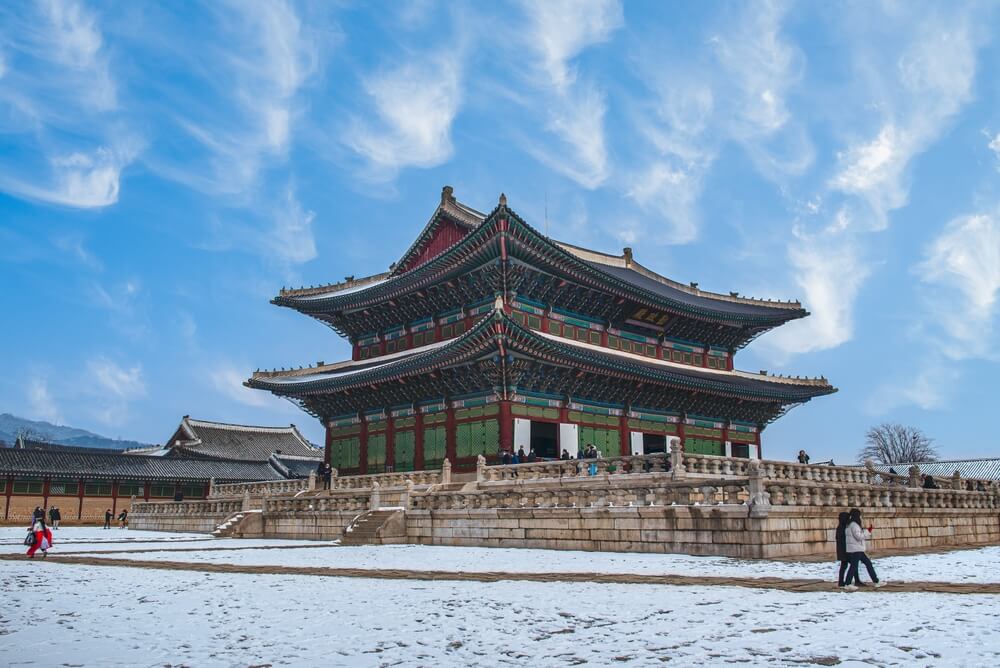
x,y
108,515
856,538
123,519
43,540
841,538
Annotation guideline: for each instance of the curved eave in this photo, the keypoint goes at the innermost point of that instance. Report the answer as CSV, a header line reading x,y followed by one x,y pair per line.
x,y
755,318
498,328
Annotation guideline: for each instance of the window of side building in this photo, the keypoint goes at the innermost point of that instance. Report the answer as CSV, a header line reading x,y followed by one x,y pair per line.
x,y
27,487
64,487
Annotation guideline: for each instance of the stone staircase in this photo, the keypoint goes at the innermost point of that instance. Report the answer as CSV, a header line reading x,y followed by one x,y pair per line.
x,y
376,527
232,524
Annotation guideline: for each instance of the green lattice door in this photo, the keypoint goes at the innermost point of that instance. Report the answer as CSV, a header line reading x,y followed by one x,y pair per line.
x,y
477,438
404,443
434,447
704,446
605,440
344,453
376,453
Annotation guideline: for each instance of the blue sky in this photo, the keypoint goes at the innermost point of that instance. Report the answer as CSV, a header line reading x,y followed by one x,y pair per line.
x,y
164,170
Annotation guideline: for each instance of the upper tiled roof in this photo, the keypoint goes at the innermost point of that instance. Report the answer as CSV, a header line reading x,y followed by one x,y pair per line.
x,y
980,469
108,466
218,440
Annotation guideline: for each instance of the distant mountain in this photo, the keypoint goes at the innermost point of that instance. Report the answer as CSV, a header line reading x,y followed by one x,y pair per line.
x,y
11,425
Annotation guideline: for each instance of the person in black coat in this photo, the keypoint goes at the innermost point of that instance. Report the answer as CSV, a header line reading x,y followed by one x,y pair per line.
x,y
929,482
108,516
843,521
38,515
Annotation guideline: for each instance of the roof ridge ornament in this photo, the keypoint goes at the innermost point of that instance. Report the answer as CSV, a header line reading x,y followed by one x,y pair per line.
x,y
503,201
447,195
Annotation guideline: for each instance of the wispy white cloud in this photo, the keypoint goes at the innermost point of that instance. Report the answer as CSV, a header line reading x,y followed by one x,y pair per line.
x,y
114,388
60,105
252,66
919,83
750,65
994,146
961,270
415,104
830,270
227,379
82,180
930,387
291,237
918,86
41,404
558,32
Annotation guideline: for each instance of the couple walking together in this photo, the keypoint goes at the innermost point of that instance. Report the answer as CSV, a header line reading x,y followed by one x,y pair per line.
x,y
851,546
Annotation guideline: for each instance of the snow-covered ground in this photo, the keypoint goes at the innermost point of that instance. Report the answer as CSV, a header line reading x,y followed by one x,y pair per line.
x,y
961,566
55,614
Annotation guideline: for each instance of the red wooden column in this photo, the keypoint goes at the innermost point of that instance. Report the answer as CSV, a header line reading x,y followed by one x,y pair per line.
x,y
418,442
390,443
506,426
45,492
624,437
327,444
450,449
10,492
79,512
725,438
680,431
363,448
114,496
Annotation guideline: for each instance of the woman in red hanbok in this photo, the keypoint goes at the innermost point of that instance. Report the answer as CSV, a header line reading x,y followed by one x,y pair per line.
x,y
43,540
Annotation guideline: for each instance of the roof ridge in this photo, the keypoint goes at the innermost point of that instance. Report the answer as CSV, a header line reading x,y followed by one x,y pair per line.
x,y
626,261
240,427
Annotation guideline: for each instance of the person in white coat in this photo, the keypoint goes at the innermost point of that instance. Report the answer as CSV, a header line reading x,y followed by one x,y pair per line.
x,y
857,537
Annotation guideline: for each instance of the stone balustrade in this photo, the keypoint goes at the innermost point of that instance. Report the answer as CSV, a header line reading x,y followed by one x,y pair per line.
x,y
397,479
711,465
353,502
206,507
258,489
694,492
575,468
802,493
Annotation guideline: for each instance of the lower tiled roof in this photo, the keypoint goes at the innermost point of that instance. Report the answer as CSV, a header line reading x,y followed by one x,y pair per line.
x,y
107,466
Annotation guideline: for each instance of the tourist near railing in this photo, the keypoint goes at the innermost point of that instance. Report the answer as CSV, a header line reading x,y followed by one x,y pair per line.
x,y
688,493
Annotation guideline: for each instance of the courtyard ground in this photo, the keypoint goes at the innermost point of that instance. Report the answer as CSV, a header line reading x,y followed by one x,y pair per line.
x,y
132,611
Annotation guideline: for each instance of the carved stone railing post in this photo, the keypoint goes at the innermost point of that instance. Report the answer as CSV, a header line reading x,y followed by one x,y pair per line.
x,y
914,476
445,472
407,494
375,502
480,468
246,500
312,480
677,464
760,500
956,480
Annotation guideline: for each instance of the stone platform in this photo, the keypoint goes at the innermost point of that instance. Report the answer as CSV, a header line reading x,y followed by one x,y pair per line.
x,y
689,504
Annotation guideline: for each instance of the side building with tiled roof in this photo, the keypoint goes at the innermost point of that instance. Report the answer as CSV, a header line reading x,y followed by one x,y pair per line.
x,y
83,484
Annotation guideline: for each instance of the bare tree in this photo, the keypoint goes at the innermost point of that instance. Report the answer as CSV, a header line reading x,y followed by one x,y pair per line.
x,y
897,444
